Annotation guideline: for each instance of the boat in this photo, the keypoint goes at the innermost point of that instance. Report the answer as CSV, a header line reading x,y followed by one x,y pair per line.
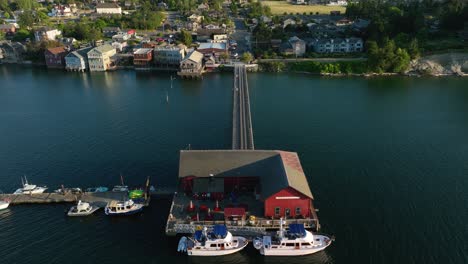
x,y
217,242
29,188
82,209
4,204
295,242
122,187
128,207
97,189
68,190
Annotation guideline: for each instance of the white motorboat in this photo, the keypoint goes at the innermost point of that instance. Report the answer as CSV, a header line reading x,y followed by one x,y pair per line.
x,y
29,188
82,209
218,242
123,208
4,204
120,188
295,242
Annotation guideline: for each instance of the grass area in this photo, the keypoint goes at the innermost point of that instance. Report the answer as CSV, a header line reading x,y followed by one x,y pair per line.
x,y
279,7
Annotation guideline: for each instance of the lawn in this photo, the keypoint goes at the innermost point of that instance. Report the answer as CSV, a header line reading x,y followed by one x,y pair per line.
x,y
279,7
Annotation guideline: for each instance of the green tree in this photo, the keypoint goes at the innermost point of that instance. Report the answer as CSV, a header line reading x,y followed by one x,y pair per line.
x,y
2,35
26,4
26,19
22,35
247,57
401,61
186,37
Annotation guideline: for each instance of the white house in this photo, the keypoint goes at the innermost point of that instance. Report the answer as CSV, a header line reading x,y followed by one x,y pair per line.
x,y
108,8
99,58
46,33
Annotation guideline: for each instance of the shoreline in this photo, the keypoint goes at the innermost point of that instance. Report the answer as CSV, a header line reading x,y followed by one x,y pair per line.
x,y
259,68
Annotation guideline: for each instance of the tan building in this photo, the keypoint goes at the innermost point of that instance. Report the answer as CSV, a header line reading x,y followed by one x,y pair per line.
x,y
169,56
99,58
192,65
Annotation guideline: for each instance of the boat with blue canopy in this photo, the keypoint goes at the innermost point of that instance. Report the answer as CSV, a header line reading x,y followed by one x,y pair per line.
x,y
218,241
296,241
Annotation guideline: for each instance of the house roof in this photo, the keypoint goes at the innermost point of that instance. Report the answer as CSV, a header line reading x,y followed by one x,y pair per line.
x,y
6,26
103,48
107,5
57,50
221,46
143,51
81,53
276,169
194,56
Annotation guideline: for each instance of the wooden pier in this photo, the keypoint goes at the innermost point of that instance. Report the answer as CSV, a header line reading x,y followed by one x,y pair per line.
x,y
98,198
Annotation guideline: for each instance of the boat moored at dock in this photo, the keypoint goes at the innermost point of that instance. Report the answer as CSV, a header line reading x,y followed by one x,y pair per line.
x,y
82,209
29,188
4,204
120,188
295,242
217,242
97,189
128,207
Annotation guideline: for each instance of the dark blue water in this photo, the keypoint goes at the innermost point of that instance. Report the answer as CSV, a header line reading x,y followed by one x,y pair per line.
x,y
386,160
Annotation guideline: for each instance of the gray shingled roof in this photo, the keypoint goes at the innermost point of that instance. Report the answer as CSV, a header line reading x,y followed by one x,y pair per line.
x,y
276,169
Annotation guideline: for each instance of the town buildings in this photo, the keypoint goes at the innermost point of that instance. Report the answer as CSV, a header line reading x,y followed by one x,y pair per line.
x,y
77,60
298,46
191,65
46,33
11,52
99,58
108,8
55,57
212,49
110,31
169,56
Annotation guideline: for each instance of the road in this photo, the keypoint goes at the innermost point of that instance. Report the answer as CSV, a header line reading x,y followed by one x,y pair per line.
x,y
241,36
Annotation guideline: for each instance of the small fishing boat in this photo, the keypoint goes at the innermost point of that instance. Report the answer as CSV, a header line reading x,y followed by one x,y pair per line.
x,y
4,204
128,207
97,189
217,242
82,209
29,188
68,190
295,242
120,188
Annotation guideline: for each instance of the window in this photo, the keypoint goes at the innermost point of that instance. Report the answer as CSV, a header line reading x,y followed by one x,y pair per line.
x,y
290,244
298,211
277,211
213,245
287,212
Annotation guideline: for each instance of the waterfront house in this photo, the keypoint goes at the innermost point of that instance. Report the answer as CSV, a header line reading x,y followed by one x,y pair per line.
x,y
142,57
108,8
119,46
46,33
77,60
169,56
12,52
99,58
191,65
55,57
110,31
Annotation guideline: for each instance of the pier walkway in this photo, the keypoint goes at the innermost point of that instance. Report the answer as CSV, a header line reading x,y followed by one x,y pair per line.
x,y
242,133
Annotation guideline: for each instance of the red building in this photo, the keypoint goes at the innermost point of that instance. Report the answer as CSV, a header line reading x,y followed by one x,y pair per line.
x,y
55,57
274,177
142,57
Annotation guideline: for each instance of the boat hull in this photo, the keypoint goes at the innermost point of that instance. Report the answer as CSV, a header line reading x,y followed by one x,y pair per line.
x,y
132,212
302,251
219,252
35,191
71,213
4,205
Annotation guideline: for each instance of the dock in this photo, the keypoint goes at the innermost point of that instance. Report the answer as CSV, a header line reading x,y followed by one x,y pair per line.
x,y
242,132
98,198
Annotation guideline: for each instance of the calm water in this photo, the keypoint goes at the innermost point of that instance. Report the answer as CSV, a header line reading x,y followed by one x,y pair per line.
x,y
386,160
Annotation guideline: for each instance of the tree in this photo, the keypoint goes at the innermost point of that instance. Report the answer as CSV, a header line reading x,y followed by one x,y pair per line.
x,y
186,37
224,56
247,57
2,35
26,19
22,35
26,4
